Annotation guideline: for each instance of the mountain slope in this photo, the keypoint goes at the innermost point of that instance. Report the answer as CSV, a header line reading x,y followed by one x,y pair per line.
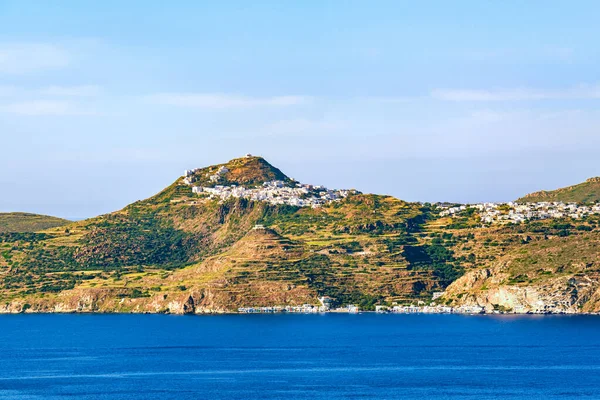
x,y
554,275
586,192
200,246
182,251
25,222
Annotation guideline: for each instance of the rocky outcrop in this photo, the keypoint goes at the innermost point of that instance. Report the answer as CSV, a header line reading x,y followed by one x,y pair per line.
x,y
487,288
111,301
206,300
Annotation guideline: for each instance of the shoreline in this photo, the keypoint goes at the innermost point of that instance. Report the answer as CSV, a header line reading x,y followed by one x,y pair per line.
x,y
228,313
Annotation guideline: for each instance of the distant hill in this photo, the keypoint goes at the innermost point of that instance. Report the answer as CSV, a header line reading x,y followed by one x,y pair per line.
x,y
586,192
25,222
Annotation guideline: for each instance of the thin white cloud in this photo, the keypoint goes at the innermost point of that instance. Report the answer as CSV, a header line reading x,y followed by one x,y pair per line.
x,y
487,132
43,107
19,58
51,91
387,99
519,94
304,126
72,91
224,101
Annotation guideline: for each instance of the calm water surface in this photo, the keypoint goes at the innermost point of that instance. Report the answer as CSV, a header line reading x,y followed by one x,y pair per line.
x,y
365,356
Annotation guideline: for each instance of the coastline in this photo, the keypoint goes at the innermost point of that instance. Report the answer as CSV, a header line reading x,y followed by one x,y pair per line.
x,y
220,312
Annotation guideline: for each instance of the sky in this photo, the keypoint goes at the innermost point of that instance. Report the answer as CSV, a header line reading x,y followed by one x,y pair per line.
x,y
105,103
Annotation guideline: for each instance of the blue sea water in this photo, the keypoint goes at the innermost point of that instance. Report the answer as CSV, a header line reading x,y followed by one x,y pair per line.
x,y
365,356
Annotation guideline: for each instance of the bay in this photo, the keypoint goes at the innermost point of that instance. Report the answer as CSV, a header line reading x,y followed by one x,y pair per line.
x,y
330,356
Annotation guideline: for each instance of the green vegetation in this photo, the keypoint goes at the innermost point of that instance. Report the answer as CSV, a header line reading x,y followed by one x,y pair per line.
x,y
24,222
364,250
586,192
436,257
136,238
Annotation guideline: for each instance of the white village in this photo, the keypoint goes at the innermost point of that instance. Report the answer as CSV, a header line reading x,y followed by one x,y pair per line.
x,y
498,213
326,306
273,192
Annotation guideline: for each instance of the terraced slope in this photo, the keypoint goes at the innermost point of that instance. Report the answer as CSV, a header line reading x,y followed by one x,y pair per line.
x,y
180,252
540,266
177,251
554,275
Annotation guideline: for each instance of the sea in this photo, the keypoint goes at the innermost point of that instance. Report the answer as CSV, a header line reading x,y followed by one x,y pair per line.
x,y
328,356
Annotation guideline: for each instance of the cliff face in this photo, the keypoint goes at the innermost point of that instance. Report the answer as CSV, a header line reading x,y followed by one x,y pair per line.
x,y
195,301
565,294
559,275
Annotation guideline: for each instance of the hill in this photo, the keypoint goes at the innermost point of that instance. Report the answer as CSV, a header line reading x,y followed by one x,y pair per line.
x,y
219,248
586,192
248,171
24,222
550,275
243,234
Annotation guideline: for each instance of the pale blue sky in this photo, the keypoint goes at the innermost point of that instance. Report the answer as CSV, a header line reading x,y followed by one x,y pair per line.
x,y
104,103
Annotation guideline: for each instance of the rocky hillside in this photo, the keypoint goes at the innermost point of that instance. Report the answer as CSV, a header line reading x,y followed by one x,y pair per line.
x,y
550,265
248,171
197,251
25,222
586,192
558,275
180,251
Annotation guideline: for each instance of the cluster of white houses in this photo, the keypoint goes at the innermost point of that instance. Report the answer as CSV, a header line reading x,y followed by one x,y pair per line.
x,y
421,308
430,309
273,192
519,212
352,309
326,306
303,309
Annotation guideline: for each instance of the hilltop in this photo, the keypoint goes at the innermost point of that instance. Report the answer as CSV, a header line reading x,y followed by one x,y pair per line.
x,y
248,171
25,222
586,192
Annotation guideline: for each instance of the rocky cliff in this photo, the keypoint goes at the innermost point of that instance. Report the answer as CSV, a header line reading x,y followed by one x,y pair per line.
x,y
559,275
